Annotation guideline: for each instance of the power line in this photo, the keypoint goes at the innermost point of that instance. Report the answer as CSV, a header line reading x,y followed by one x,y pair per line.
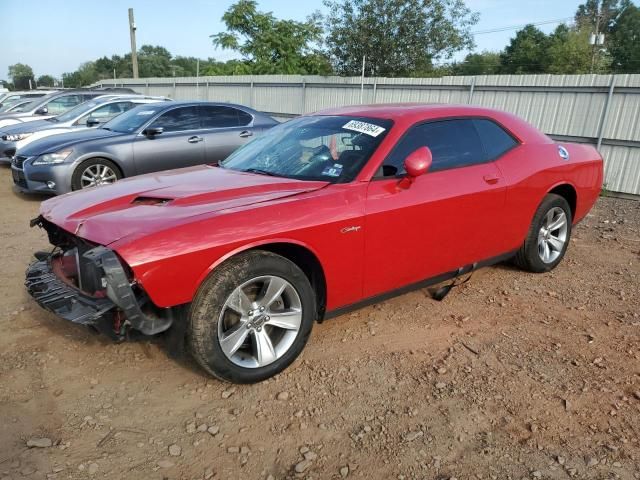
x,y
516,27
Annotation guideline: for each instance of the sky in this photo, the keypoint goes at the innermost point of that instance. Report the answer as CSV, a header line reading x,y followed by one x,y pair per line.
x,y
57,36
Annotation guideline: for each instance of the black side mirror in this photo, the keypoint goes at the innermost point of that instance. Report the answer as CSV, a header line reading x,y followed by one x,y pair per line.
x,y
153,131
42,111
93,122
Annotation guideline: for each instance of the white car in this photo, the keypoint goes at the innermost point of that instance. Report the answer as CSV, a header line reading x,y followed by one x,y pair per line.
x,y
86,115
10,98
53,104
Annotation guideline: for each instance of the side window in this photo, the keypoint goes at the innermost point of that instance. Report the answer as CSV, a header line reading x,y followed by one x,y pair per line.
x,y
62,104
106,112
222,117
453,144
244,118
178,119
90,96
495,140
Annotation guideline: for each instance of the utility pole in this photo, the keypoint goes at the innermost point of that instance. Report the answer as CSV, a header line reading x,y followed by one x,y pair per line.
x,y
364,59
596,39
134,51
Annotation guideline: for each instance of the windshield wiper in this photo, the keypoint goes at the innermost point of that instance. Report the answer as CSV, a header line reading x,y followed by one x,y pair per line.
x,y
52,119
105,128
260,172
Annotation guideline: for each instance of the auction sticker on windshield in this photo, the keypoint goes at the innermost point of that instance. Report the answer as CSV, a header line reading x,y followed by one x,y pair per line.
x,y
146,112
364,127
333,171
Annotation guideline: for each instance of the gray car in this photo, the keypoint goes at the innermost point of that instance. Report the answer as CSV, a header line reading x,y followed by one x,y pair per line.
x,y
148,138
86,115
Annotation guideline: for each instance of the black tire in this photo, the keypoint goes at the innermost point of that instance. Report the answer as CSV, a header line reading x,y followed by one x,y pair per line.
x,y
76,182
206,309
528,257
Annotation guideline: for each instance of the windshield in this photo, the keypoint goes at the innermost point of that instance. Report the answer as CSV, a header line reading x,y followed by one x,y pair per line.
x,y
25,107
327,148
75,112
133,119
13,104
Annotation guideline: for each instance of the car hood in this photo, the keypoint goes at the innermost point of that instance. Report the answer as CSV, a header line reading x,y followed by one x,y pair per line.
x,y
150,203
64,140
27,127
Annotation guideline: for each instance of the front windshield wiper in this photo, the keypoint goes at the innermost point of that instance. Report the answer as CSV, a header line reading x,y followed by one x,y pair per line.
x,y
52,119
260,172
106,128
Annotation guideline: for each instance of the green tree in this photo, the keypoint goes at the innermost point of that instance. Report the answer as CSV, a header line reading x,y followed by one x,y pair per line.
x,y
154,61
484,63
569,51
20,75
625,41
105,67
84,76
187,66
269,45
607,10
230,67
398,37
46,81
526,52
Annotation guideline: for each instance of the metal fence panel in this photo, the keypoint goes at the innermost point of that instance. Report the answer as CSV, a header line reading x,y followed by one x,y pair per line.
x,y
582,108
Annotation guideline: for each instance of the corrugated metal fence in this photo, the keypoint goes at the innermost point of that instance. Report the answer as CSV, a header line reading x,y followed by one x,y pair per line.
x,y
603,110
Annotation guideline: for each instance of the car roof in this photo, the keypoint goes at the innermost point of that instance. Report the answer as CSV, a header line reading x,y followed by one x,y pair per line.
x,y
396,111
406,114
113,97
256,114
211,103
30,92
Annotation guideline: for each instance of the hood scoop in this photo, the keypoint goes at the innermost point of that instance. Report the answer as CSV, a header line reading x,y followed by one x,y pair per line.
x,y
144,200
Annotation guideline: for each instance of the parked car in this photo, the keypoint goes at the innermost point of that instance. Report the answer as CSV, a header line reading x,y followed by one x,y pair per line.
x,y
50,105
86,115
11,97
317,216
145,139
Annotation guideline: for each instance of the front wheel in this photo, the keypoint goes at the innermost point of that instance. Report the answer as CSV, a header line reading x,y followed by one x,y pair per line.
x,y
548,236
94,172
251,317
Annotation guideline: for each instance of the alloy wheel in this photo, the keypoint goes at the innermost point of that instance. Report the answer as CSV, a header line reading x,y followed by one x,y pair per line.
x,y
552,235
97,174
260,321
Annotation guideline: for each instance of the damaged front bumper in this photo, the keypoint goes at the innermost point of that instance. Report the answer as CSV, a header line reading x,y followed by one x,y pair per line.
x,y
90,286
65,301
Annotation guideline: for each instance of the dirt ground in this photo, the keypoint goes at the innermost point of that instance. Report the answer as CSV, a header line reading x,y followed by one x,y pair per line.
x,y
512,376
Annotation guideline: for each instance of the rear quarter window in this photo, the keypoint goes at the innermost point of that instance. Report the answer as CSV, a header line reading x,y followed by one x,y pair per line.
x,y
495,139
214,116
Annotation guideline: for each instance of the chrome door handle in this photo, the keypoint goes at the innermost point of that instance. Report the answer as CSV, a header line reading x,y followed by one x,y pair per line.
x,y
195,139
246,133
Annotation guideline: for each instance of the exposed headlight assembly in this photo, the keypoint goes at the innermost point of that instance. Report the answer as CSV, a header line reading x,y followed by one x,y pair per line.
x,y
16,137
52,158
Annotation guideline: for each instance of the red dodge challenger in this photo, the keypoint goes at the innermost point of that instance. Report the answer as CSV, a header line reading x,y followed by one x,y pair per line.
x,y
317,216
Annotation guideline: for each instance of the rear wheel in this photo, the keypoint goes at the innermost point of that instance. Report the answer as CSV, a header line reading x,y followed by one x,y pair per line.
x,y
548,236
251,318
94,172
